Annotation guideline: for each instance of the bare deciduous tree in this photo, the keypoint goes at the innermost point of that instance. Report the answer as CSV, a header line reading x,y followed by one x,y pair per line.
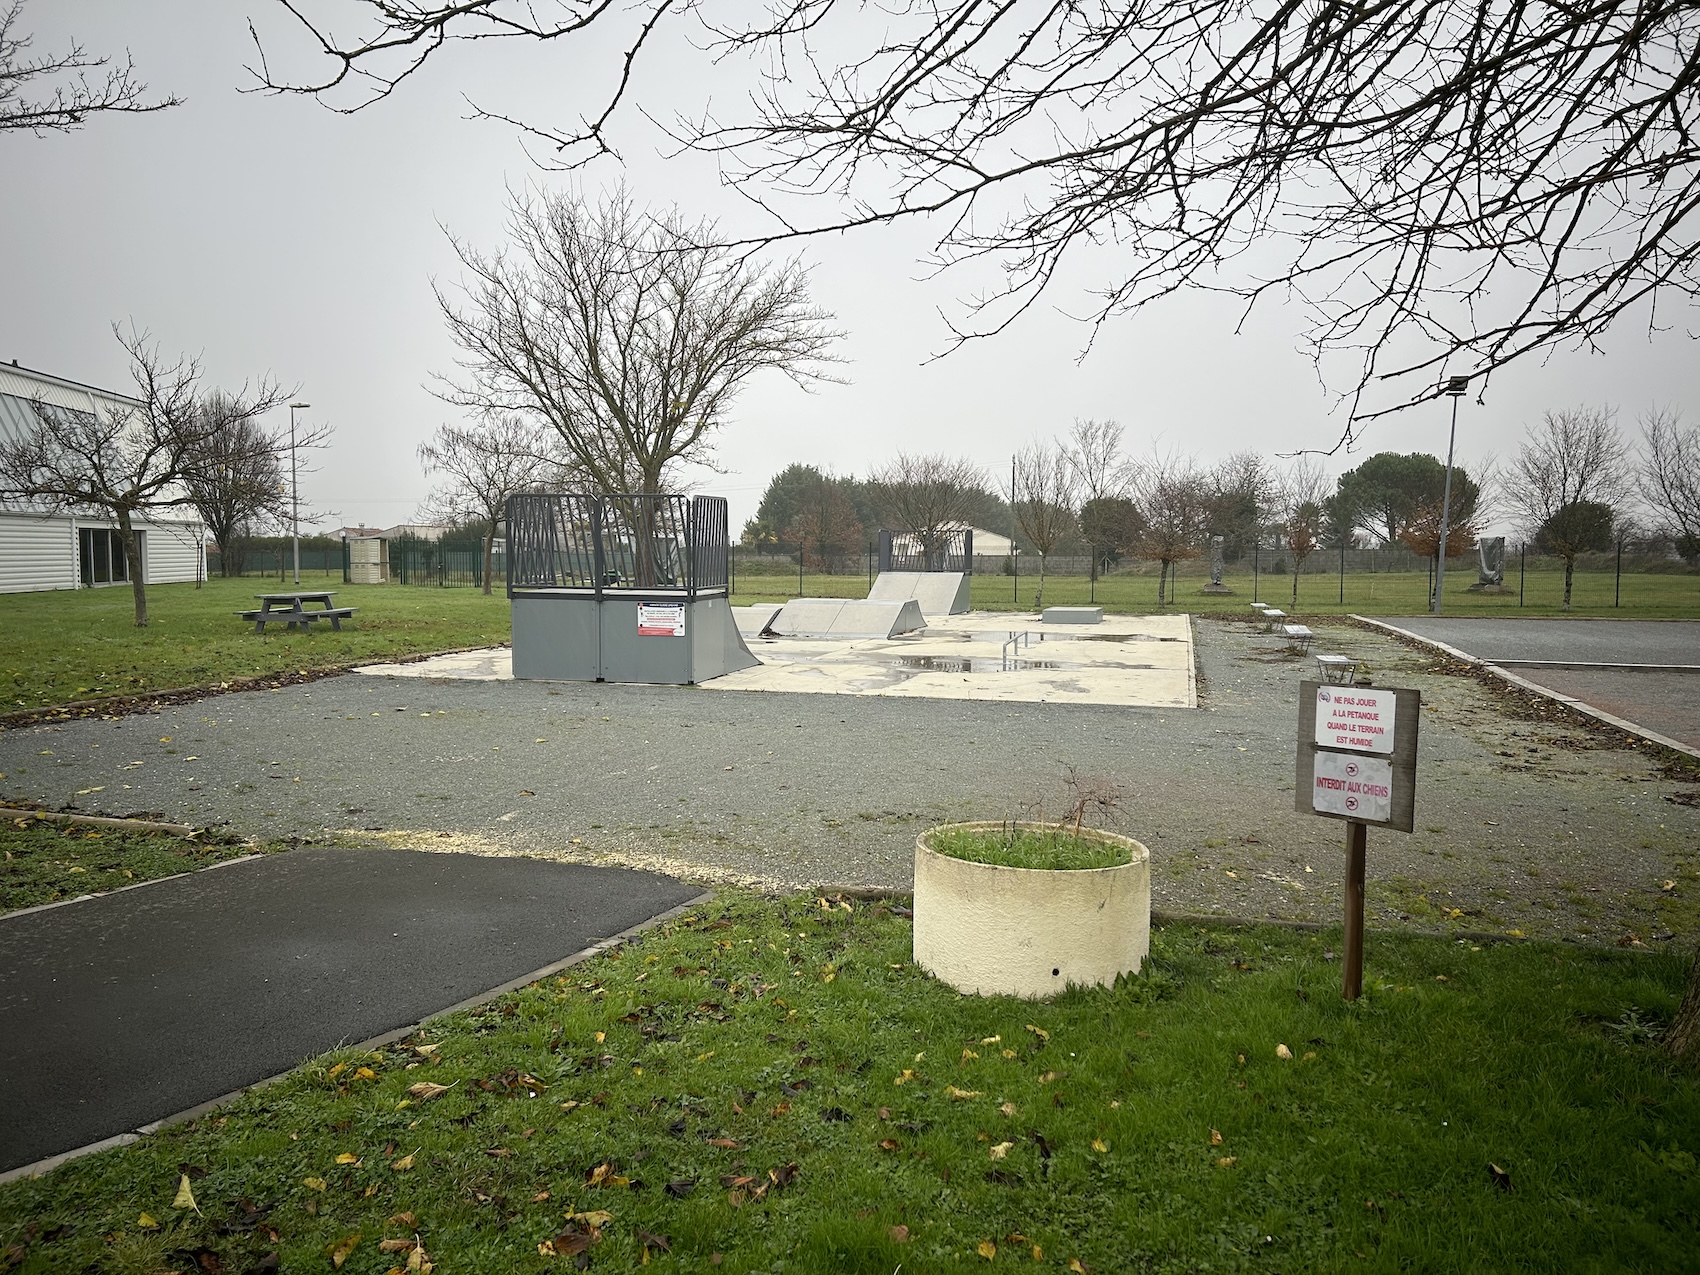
x,y
1446,187
1094,451
71,97
1046,493
130,462
484,463
928,496
1243,488
1670,478
1303,491
235,471
1572,465
1173,498
630,336
824,526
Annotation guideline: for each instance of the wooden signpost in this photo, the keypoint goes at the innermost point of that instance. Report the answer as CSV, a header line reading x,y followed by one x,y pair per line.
x,y
1357,761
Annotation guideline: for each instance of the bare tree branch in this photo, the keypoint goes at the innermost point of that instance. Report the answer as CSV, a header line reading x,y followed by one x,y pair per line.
x,y
71,96
1440,187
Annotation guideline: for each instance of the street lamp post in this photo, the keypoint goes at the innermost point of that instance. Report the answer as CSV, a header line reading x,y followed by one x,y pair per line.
x,y
294,494
1455,389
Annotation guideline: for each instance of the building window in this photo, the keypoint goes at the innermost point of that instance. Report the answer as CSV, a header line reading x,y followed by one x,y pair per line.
x,y
101,555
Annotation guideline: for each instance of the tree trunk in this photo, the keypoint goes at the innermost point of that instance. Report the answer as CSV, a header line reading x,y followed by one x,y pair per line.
x,y
1569,571
1162,579
489,554
133,566
1039,597
1295,602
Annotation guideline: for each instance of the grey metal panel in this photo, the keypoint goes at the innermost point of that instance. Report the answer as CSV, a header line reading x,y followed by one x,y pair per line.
x,y
626,657
555,638
717,645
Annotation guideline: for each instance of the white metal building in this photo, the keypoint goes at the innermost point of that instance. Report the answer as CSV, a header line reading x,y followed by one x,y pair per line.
x,y
68,550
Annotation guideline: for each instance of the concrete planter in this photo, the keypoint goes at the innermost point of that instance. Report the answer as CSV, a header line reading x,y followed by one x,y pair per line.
x,y
1024,932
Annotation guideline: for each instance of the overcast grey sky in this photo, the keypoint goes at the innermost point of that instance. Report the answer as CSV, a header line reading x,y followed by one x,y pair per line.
x,y
272,235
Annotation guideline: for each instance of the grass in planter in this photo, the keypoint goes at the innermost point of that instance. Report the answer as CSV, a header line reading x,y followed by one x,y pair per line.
x,y
46,862
1056,849
774,1083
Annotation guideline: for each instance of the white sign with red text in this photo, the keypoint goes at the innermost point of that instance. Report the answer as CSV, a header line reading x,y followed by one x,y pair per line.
x,y
1355,717
1357,787
661,619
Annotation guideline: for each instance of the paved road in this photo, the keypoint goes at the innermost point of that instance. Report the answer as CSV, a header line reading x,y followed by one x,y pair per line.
x,y
121,1010
1582,641
1664,702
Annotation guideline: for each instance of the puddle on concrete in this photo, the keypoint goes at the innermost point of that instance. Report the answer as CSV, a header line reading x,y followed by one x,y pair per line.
x,y
953,664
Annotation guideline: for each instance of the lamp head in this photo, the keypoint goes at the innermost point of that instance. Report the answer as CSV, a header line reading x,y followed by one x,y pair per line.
x,y
1457,385
294,405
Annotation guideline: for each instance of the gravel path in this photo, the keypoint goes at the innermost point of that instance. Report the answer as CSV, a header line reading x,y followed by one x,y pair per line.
x,y
1521,824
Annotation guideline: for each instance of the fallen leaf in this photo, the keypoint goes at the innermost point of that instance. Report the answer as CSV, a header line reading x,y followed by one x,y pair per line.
x,y
597,1218
336,1071
986,1249
1227,1162
340,1249
185,1197
146,1223
396,1246
1098,1144
365,1073
403,1219
651,1240
899,1234
425,1051
313,1184
725,1144
425,1090
417,1261
889,1144
348,1157
1215,1137
967,1054
405,1163
905,1078
680,1188
999,1151
1281,1051
601,1037
1049,1076
1040,1032
1038,1253
1010,1110
953,1092
991,1040
1077,1266
1008,1053
1501,1178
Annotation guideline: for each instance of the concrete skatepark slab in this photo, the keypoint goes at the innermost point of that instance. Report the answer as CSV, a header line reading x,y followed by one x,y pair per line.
x,y
123,1009
935,592
1131,660
752,621
1141,661
841,618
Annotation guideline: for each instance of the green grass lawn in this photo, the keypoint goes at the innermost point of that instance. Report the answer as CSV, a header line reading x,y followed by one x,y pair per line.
x,y
77,645
770,1085
1644,595
46,862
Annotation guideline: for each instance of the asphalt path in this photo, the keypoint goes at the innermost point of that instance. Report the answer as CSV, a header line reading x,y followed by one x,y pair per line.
x,y
121,1010
1538,650
1667,642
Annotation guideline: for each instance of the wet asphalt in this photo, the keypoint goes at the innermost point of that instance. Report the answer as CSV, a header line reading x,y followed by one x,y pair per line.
x,y
122,1010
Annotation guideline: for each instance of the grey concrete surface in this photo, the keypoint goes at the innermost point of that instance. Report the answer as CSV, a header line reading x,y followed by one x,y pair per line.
x,y
1521,823
1584,641
121,1010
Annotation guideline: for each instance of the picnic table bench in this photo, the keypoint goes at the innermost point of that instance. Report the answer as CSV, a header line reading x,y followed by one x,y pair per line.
x,y
1271,617
1299,636
291,609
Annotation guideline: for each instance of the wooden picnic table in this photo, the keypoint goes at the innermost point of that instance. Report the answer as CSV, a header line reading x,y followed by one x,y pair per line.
x,y
291,609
